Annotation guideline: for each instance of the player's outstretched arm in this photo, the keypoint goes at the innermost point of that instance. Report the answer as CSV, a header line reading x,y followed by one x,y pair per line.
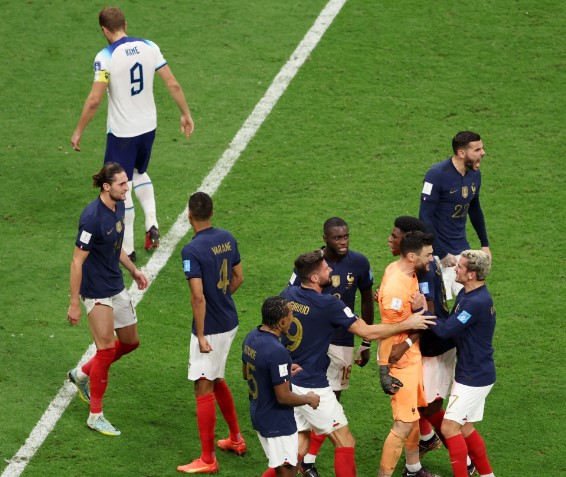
x,y
416,321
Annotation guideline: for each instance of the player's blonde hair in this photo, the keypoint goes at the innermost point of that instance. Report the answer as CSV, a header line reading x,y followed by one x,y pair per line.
x,y
479,262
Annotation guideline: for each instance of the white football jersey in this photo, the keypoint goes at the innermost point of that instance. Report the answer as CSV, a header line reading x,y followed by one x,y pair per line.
x,y
128,66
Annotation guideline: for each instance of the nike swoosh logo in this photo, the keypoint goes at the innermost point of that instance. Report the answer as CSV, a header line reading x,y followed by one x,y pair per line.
x,y
110,231
454,191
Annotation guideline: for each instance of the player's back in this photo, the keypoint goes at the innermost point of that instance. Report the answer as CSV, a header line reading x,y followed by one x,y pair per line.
x,y
210,256
131,64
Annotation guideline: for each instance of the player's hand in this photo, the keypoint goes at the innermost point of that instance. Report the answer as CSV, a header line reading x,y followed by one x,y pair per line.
x,y
76,141
74,314
295,368
204,345
140,279
419,321
398,351
376,295
314,399
389,384
187,125
362,354
448,261
486,250
418,301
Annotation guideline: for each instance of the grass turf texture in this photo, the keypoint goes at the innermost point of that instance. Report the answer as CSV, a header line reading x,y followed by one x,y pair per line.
x,y
374,106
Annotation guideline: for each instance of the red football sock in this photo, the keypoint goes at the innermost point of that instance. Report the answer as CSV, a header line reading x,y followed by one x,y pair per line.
x,y
99,377
206,420
424,426
478,454
458,451
226,405
269,473
121,350
436,421
344,462
316,442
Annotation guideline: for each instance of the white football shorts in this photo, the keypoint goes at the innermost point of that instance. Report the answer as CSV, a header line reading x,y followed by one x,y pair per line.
x,y
210,365
340,368
122,308
466,403
280,450
327,418
438,374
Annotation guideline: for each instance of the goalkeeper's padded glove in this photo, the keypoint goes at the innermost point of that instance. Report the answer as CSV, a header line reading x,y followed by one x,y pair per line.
x,y
389,384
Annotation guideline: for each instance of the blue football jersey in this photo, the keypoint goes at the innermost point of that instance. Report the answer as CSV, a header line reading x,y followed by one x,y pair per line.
x,y
101,232
315,320
268,364
472,325
210,256
446,199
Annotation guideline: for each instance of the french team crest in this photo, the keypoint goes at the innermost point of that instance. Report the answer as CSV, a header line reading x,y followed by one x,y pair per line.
x,y
465,192
474,188
335,281
119,226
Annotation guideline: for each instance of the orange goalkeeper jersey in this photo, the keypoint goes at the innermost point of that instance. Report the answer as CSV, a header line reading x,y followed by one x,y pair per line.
x,y
394,297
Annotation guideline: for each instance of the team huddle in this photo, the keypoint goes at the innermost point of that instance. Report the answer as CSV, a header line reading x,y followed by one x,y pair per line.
x,y
298,361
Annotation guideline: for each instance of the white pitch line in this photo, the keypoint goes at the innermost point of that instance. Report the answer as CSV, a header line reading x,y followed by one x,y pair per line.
x,y
181,227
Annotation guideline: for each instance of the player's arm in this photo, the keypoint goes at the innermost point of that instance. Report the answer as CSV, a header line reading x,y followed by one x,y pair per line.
x,y
416,321
237,277
176,92
89,110
363,352
478,222
286,397
198,304
74,312
135,273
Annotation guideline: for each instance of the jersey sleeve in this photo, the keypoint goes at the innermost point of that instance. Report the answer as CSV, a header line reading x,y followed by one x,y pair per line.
x,y
279,366
101,67
159,59
431,186
340,314
366,276
459,320
87,232
191,264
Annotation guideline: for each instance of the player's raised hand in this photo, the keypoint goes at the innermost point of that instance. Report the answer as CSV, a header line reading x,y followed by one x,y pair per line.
x,y
314,399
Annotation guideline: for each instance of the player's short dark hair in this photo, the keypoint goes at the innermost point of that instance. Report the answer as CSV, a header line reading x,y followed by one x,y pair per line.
x,y
273,309
107,175
333,222
307,263
413,242
407,223
463,138
112,18
200,205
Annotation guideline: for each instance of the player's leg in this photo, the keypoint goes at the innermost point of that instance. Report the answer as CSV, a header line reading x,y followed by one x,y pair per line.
x,y
338,374
125,324
101,321
143,188
221,343
281,453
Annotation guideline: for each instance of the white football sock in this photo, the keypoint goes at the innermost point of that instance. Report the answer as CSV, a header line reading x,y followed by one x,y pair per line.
x,y
143,188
